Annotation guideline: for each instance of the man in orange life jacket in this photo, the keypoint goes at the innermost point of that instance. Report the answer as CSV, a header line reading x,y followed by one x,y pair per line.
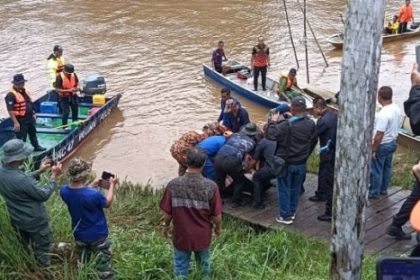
x,y
66,84
260,61
22,112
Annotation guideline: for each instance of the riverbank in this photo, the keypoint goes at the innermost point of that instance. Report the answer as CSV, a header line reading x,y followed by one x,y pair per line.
x,y
140,252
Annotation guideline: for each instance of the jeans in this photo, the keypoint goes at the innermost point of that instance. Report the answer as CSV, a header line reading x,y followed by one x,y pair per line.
x,y
402,27
28,128
262,182
182,262
100,252
381,172
67,103
232,166
257,71
288,188
326,180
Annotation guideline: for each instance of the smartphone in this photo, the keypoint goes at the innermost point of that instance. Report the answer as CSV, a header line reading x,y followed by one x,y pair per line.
x,y
418,56
398,269
104,184
106,175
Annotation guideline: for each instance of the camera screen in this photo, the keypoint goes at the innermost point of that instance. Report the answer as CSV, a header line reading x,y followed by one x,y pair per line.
x,y
399,269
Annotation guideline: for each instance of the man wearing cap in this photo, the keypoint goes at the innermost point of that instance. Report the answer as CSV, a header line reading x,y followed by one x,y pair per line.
x,y
55,63
22,112
66,84
284,88
88,221
229,161
235,116
24,198
294,146
224,97
326,132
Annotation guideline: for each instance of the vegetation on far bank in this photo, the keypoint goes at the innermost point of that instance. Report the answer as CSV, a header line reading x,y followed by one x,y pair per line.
x,y
140,252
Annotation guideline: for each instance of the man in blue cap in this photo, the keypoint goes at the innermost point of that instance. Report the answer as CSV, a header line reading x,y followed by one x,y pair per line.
x,y
22,112
25,198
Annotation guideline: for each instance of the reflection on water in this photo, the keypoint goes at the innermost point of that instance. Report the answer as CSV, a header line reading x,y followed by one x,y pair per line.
x,y
153,51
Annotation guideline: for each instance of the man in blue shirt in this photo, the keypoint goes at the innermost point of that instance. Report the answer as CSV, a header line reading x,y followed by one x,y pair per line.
x,y
234,116
211,146
88,220
224,96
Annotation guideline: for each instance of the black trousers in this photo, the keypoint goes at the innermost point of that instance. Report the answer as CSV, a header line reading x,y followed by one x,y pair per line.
x,y
402,27
27,128
257,71
262,182
326,181
404,214
67,103
231,166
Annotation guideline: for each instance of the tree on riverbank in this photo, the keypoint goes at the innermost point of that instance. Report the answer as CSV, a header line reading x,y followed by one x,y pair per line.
x,y
359,81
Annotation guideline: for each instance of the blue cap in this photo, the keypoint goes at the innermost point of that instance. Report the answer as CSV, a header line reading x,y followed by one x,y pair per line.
x,y
283,107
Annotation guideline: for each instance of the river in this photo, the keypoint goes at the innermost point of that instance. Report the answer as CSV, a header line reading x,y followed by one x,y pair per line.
x,y
152,51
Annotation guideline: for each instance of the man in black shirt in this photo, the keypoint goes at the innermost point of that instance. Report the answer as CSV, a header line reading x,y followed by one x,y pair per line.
x,y
21,112
326,131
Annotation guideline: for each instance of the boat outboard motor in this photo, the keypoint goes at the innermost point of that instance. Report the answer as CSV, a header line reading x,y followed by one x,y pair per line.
x,y
94,84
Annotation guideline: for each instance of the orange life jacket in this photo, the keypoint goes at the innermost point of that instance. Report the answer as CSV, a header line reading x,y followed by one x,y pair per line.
x,y
67,84
261,56
290,83
19,108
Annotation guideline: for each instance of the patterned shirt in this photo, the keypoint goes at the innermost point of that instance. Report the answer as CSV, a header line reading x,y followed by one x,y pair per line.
x,y
192,201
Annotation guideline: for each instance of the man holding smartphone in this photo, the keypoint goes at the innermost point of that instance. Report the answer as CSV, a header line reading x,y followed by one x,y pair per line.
x,y
86,206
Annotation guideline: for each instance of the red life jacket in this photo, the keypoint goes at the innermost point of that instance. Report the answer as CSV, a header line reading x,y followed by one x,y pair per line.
x,y
19,108
67,84
261,56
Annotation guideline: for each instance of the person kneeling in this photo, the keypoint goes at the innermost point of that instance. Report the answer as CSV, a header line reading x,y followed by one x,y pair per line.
x,y
86,206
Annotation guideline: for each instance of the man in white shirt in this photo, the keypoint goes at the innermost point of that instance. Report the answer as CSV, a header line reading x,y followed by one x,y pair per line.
x,y
387,124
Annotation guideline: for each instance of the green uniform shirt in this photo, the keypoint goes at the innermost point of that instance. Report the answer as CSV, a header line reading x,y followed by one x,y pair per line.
x,y
24,197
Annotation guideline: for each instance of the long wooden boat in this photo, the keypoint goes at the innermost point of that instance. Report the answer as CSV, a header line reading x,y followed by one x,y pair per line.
x,y
60,142
244,86
337,39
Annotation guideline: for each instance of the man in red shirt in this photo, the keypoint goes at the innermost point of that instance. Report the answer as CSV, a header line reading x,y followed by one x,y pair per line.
x,y
194,205
406,15
260,61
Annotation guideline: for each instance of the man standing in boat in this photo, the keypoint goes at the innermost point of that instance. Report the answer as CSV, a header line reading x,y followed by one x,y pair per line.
x,y
55,63
67,87
22,112
406,15
260,61
218,57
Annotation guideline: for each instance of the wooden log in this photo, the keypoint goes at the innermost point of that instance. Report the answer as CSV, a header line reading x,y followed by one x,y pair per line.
x,y
359,81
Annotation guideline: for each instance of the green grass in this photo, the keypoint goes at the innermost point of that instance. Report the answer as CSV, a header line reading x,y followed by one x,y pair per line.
x,y
140,252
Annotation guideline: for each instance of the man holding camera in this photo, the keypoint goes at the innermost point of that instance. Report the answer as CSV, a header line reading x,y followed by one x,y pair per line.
x,y
25,198
86,206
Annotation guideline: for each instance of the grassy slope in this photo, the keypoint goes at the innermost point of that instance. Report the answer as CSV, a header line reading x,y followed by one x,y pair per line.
x,y
139,251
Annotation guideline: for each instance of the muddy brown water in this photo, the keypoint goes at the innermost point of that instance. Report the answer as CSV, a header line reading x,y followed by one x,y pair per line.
x,y
153,51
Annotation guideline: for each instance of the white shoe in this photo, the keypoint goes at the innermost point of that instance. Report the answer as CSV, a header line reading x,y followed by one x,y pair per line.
x,y
286,221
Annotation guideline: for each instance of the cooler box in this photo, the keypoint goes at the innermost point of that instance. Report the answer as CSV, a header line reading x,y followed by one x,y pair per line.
x,y
98,99
48,107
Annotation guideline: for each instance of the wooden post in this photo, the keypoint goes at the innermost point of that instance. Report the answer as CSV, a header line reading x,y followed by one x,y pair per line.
x,y
305,41
359,82
290,33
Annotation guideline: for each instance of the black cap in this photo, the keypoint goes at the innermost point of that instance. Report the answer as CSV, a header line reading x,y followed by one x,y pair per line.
x,y
293,71
298,102
57,48
68,68
18,79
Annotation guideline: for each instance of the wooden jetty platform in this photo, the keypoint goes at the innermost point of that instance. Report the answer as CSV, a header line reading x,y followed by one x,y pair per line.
x,y
379,216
